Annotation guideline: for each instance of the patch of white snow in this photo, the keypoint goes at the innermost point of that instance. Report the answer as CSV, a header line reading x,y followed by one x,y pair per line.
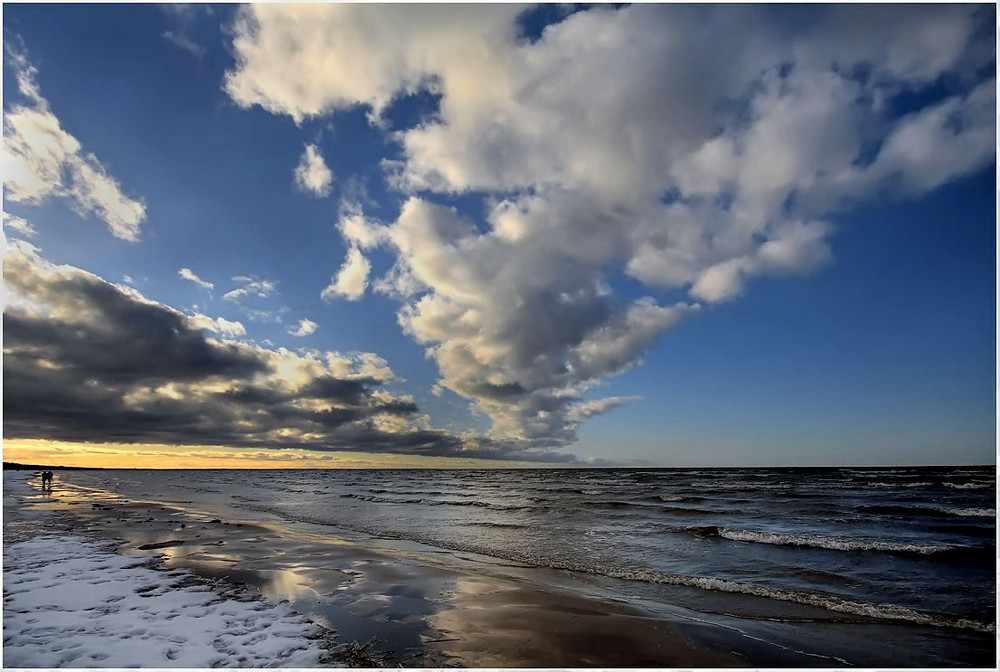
x,y
69,602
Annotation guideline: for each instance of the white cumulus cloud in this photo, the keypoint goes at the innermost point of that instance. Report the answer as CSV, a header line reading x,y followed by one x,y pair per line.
x,y
250,286
351,280
358,229
18,225
42,160
188,274
218,325
693,148
312,174
305,327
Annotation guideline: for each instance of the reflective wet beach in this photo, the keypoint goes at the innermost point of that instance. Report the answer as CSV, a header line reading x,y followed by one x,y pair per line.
x,y
430,605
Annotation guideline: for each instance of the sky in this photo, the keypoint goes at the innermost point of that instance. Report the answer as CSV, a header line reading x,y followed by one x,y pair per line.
x,y
499,235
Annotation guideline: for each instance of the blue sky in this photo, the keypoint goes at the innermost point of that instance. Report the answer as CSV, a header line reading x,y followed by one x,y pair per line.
x,y
611,236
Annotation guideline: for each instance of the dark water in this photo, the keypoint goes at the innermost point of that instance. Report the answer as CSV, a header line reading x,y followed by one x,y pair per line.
x,y
896,544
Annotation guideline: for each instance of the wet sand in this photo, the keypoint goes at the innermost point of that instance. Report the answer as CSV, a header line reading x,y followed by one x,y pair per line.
x,y
418,606
419,611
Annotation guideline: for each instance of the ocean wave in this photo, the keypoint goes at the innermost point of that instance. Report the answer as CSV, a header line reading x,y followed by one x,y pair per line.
x,y
504,526
614,504
967,486
647,506
896,509
476,502
684,511
239,498
435,502
829,543
879,484
968,527
977,513
825,601
687,499
382,500
740,485
917,509
830,602
411,492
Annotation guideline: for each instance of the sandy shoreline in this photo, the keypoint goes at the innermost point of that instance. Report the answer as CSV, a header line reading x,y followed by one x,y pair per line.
x,y
418,606
413,614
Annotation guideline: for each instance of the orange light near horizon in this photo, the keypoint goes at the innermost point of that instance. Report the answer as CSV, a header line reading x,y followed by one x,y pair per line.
x,y
160,456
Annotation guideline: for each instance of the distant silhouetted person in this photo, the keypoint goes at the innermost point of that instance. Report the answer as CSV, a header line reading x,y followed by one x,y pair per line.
x,y
46,479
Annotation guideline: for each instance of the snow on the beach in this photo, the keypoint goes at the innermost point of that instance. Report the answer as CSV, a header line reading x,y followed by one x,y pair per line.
x,y
68,602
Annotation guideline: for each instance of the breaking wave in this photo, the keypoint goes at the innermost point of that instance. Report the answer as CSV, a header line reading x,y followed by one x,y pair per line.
x,y
977,513
829,543
825,601
830,602
741,485
917,509
967,486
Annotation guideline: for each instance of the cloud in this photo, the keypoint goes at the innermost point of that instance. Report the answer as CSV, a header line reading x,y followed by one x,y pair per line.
x,y
18,225
266,316
252,286
188,274
86,360
41,160
184,43
218,325
352,278
358,229
359,365
589,409
624,140
798,248
523,329
936,145
369,61
305,328
185,11
83,324
312,174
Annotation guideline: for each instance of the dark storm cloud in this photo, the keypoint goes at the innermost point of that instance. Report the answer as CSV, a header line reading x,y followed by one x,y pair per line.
x,y
88,361
140,346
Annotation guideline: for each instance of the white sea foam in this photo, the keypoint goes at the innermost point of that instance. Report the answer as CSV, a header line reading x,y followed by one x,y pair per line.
x,y
977,513
68,602
831,543
967,486
856,607
740,485
921,484
830,602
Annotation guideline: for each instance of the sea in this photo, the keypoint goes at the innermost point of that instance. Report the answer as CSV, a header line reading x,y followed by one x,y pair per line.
x,y
899,545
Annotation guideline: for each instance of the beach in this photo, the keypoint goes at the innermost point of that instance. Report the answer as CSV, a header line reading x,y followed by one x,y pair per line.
x,y
264,589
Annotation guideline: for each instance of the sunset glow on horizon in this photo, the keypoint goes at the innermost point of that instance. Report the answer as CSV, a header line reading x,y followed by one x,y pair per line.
x,y
126,456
